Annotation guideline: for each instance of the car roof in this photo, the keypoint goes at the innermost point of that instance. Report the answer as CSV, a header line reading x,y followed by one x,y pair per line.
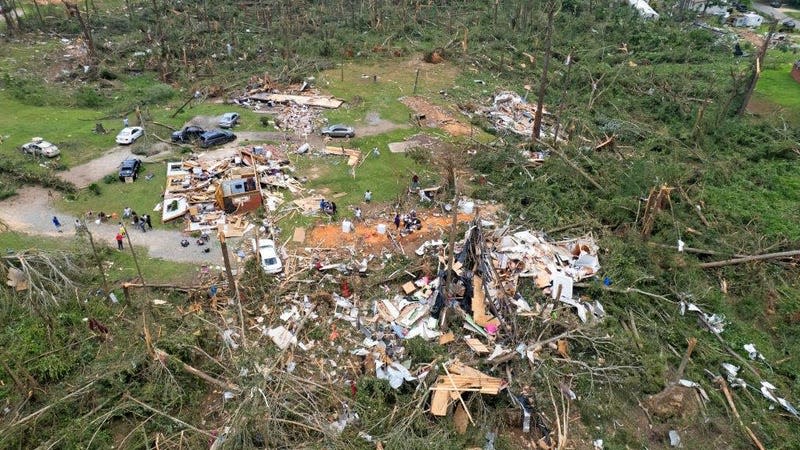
x,y
230,114
211,133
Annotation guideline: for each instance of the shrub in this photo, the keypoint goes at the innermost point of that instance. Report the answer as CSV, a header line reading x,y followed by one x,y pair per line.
x,y
87,97
94,188
158,93
110,179
107,74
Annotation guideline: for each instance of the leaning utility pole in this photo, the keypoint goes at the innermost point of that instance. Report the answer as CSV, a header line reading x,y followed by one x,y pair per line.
x,y
135,260
96,257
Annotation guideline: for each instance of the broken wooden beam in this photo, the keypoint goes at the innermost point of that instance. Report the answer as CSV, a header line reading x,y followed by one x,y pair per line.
x,y
766,256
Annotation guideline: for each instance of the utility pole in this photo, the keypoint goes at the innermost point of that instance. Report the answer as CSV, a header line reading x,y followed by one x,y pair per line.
x,y
96,257
135,260
226,259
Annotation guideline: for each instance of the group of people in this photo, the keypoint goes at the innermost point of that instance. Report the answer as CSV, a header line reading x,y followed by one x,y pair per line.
x,y
327,207
143,223
410,222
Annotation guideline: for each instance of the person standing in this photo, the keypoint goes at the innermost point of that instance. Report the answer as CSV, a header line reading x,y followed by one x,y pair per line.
x,y
396,220
126,212
125,121
415,182
121,229
149,223
358,214
78,225
333,209
368,196
57,224
119,237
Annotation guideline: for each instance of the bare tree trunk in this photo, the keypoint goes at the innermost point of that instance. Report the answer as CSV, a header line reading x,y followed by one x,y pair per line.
x,y
552,8
759,63
74,11
11,24
38,12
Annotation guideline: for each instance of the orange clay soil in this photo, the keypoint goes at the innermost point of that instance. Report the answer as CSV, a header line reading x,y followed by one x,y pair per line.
x,y
366,238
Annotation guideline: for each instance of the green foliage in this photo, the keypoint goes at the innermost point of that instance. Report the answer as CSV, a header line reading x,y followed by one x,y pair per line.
x,y
94,188
110,179
87,97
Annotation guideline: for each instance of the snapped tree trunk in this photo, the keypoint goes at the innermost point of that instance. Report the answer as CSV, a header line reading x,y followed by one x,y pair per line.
x,y
552,8
759,63
74,11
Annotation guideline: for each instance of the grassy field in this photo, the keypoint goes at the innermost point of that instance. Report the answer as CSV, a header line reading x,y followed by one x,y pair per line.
x,y
141,195
354,84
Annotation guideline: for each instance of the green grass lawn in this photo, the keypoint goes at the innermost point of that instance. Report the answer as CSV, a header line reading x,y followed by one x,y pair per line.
x,y
69,128
394,80
141,196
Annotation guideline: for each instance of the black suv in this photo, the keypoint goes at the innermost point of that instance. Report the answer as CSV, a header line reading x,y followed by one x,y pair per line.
x,y
187,134
216,137
130,168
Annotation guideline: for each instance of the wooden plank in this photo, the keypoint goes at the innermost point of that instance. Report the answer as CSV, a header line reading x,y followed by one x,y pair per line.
x,y
439,403
299,235
460,419
447,338
478,302
477,346
409,287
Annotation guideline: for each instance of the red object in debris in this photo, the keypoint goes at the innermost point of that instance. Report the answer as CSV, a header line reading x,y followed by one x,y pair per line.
x,y
353,389
346,289
334,334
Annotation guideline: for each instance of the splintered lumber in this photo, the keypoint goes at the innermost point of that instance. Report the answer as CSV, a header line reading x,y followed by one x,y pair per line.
x,y
459,378
479,302
353,155
477,346
447,338
730,262
409,287
302,100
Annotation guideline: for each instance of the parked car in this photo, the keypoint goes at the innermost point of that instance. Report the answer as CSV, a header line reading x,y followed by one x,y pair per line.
x,y
216,137
130,168
339,131
775,3
741,7
190,133
787,25
40,147
228,120
267,256
129,135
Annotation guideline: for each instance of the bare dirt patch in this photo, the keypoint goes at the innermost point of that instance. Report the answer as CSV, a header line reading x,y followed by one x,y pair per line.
x,y
367,239
436,116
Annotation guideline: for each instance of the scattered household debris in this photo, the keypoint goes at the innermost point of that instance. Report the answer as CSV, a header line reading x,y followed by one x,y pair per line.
x,y
212,194
509,111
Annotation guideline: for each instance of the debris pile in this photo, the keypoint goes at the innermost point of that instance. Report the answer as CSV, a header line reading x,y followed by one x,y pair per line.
x,y
480,294
212,194
300,119
509,111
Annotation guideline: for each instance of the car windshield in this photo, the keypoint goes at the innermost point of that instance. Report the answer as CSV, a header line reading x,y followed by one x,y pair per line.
x,y
270,261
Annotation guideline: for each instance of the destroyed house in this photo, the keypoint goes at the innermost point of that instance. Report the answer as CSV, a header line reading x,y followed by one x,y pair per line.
x,y
238,195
